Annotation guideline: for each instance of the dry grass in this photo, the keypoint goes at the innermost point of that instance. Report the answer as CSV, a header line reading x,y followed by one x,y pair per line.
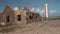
x,y
6,29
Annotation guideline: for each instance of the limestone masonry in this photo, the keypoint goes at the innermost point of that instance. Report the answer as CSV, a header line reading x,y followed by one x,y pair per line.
x,y
10,16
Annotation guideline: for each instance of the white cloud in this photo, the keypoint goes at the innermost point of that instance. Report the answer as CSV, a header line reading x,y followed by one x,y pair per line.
x,y
42,11
52,11
32,9
16,8
37,10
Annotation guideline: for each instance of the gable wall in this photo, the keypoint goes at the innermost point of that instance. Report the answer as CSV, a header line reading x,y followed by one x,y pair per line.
x,y
9,12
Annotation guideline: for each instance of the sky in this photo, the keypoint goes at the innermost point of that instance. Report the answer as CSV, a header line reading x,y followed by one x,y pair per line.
x,y
34,5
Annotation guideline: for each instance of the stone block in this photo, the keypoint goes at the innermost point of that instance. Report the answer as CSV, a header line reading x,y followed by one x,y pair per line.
x,y
2,23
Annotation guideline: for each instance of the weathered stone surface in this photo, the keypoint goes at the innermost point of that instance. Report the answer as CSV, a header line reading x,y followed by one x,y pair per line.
x,y
3,23
10,16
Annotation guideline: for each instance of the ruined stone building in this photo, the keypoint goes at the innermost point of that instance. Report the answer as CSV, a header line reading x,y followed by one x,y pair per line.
x,y
10,16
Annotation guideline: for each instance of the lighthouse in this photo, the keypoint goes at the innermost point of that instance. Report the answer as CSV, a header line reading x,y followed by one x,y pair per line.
x,y
46,10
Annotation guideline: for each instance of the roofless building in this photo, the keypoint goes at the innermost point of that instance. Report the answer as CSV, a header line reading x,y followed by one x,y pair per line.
x,y
24,16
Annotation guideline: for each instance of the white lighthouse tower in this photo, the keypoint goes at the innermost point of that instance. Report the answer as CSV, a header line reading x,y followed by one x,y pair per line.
x,y
46,10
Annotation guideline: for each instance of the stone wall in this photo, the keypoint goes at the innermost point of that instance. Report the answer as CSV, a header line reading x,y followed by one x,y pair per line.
x,y
32,17
10,16
8,12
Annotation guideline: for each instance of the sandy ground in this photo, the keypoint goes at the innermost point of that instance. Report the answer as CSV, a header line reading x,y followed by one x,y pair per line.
x,y
48,27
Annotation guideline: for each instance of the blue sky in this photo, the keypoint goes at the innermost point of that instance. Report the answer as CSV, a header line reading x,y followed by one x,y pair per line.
x,y
37,5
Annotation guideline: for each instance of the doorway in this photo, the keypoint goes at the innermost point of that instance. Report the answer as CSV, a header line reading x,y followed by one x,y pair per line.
x,y
8,19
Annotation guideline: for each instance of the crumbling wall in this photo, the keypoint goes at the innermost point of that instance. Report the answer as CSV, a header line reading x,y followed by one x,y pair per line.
x,y
32,17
